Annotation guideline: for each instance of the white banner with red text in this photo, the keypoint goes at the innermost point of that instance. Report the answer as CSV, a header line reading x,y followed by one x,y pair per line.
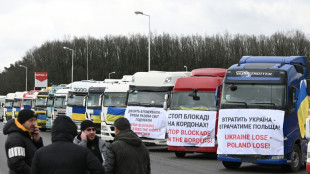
x,y
191,128
149,122
250,131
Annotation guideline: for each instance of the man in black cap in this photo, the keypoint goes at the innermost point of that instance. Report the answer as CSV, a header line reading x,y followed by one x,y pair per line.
x,y
63,156
88,138
22,142
127,154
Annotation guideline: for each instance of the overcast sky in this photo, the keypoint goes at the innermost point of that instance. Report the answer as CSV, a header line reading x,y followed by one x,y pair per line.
x,y
26,24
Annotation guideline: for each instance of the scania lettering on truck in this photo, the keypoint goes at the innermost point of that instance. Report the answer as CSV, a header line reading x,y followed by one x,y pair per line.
x,y
17,103
8,107
114,106
76,103
194,101
258,121
147,104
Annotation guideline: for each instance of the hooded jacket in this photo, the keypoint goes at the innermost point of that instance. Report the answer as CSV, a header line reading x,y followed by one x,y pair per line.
x,y
63,156
127,155
19,147
101,144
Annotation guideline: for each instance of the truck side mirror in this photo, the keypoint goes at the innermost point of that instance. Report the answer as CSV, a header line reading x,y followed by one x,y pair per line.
x,y
84,101
165,105
218,95
308,128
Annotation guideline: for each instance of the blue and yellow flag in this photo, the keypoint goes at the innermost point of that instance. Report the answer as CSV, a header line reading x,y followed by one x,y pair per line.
x,y
114,113
303,108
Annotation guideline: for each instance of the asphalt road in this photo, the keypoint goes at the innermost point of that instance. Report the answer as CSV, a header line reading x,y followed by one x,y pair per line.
x,y
165,162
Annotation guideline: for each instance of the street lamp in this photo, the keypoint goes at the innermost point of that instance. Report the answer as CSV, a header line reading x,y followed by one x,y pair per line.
x,y
185,67
141,13
66,48
26,74
110,74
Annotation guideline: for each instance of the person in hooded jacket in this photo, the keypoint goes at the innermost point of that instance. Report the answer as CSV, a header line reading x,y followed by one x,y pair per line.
x,y
127,154
88,139
63,156
22,142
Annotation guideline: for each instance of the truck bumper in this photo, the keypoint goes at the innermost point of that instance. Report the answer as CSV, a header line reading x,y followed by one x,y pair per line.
x,y
252,160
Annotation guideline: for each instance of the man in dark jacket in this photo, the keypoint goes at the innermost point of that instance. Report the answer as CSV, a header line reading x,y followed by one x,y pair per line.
x,y
63,156
127,154
88,139
22,142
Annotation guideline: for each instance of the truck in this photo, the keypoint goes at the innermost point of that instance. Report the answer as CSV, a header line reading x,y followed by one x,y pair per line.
x,y
60,103
94,105
8,107
29,99
114,106
258,120
17,103
50,104
147,103
40,108
2,100
76,102
195,95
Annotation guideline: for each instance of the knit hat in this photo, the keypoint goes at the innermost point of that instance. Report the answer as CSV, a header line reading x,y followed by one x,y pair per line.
x,y
25,115
63,129
122,124
86,123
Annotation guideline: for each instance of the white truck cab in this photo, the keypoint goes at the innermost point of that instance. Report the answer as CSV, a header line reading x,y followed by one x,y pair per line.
x,y
8,107
147,102
114,105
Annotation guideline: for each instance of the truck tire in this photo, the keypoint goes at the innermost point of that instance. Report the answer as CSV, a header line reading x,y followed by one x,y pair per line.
x,y
180,154
296,158
231,165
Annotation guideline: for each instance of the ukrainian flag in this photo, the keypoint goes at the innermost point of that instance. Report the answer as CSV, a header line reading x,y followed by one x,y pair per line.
x,y
114,113
96,116
199,108
303,108
78,113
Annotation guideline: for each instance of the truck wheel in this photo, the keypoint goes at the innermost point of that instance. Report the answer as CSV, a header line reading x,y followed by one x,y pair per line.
x,y
42,129
296,158
231,165
180,154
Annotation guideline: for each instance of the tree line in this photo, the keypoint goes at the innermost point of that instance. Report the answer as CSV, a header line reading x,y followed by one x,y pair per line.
x,y
126,55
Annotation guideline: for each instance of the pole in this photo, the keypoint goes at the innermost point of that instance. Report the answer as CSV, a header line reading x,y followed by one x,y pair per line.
x,y
87,58
149,42
26,78
72,65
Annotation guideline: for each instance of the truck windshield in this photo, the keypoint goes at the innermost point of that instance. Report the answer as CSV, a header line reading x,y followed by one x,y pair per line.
x,y
75,100
27,102
254,95
115,99
59,102
146,98
8,103
184,101
16,103
50,102
93,99
41,101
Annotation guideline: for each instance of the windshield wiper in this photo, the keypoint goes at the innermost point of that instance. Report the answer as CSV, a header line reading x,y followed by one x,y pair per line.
x,y
134,104
274,105
245,104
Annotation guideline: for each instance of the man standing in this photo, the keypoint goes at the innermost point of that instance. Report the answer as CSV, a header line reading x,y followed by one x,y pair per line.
x,y
88,138
63,156
127,154
22,142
